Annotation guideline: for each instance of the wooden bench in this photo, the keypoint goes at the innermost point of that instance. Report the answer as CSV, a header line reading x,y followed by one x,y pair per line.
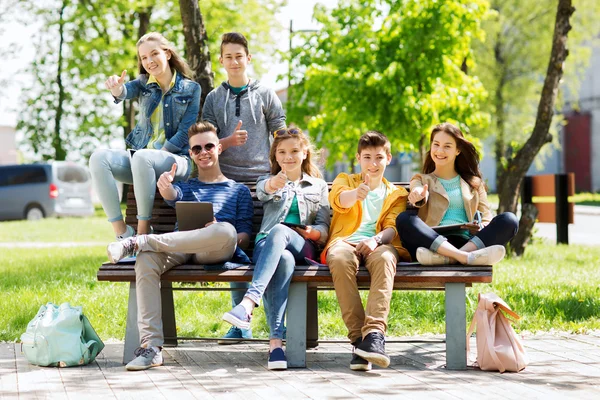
x,y
302,329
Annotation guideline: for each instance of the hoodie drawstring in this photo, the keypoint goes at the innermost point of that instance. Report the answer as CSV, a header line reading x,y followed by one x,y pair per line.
x,y
225,108
251,106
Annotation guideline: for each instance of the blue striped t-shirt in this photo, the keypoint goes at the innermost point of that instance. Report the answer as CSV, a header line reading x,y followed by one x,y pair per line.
x,y
231,201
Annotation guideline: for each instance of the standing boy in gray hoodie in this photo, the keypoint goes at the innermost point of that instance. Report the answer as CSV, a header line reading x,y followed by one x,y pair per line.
x,y
246,114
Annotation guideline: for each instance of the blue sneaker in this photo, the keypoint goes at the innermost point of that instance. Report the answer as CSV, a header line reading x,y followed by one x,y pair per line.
x,y
277,359
235,333
238,317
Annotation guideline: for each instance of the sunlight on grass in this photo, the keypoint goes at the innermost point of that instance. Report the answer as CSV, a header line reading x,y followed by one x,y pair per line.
x,y
551,287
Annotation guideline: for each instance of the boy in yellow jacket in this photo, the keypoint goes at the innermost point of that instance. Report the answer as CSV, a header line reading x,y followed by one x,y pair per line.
x,y
363,230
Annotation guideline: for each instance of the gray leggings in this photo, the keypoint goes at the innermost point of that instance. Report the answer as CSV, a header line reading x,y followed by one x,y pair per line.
x,y
142,170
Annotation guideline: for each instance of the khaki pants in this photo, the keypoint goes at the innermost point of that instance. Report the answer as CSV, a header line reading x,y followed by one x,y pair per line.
x,y
343,263
159,253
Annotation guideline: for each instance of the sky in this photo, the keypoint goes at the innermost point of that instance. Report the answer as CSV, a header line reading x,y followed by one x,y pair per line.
x,y
19,37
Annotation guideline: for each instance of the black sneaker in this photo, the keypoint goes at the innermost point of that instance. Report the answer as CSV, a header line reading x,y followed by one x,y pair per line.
x,y
372,348
358,363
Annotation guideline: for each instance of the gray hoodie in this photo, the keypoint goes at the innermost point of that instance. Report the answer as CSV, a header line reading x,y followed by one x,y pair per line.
x,y
261,114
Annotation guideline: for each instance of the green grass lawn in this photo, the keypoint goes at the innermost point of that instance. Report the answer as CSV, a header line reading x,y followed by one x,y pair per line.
x,y
551,287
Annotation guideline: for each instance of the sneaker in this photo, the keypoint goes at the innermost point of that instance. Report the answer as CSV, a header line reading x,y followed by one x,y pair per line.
x,y
277,360
146,358
119,250
372,349
428,257
238,317
235,333
358,363
487,256
129,232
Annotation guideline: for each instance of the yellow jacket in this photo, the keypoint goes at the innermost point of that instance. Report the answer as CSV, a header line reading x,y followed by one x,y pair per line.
x,y
434,206
346,221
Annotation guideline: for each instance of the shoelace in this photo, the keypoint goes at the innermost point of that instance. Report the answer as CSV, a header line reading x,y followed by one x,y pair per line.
x,y
142,351
129,247
378,340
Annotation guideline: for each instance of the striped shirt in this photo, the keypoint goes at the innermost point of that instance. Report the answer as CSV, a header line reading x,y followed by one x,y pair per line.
x,y
231,201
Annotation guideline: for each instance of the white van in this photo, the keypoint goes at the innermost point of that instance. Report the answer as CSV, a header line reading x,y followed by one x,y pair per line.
x,y
34,191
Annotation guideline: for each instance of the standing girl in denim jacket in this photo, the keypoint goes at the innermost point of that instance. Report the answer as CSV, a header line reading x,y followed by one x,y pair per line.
x,y
294,193
450,191
169,103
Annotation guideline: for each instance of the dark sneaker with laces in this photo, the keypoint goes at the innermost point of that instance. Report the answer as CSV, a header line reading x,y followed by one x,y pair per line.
x,y
238,317
235,335
277,360
119,250
146,358
372,349
358,363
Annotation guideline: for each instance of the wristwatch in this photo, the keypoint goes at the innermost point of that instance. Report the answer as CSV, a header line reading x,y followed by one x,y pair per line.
x,y
378,240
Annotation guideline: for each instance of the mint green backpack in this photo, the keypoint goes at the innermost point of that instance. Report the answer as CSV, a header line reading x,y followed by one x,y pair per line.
x,y
60,336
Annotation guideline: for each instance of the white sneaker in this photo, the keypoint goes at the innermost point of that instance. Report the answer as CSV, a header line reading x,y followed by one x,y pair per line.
x,y
146,358
129,232
119,250
428,257
487,256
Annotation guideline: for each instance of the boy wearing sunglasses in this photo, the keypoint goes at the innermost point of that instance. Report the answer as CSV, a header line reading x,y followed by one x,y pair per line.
x,y
217,242
245,113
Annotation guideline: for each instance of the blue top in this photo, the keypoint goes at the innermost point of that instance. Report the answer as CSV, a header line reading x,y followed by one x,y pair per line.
x,y
231,201
455,214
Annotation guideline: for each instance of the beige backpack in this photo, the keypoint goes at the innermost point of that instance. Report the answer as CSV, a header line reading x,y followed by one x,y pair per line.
x,y
499,348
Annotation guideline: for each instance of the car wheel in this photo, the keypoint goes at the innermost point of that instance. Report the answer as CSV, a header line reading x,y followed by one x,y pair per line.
x,y
34,213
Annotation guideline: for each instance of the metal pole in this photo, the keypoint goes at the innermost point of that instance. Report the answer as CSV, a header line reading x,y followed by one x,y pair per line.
x,y
561,187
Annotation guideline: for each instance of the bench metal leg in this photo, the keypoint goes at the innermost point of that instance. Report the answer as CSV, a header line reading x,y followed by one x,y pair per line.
x,y
312,320
132,335
296,325
168,313
456,329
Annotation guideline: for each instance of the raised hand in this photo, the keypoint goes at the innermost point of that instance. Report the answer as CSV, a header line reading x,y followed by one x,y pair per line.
x,y
115,83
278,181
239,137
363,189
418,194
166,178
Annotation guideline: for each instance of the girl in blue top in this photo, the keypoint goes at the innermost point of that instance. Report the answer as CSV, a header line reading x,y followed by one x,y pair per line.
x,y
450,192
169,102
294,193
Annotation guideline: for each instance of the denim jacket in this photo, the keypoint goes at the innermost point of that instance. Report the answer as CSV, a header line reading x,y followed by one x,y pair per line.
x,y
313,203
180,111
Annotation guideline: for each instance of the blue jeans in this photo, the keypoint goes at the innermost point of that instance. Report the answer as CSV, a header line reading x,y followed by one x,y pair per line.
x,y
275,259
414,233
142,170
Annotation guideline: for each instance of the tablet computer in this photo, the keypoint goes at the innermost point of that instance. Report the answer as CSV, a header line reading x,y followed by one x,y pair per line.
x,y
449,228
193,214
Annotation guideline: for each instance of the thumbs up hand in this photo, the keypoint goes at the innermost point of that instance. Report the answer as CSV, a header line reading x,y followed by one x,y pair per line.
x,y
166,178
363,189
418,194
278,181
239,136
115,83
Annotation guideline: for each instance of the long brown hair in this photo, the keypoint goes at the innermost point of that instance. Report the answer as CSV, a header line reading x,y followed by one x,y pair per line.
x,y
466,162
176,62
308,164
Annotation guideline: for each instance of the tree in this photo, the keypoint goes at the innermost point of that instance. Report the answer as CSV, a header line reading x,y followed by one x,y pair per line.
x,y
398,67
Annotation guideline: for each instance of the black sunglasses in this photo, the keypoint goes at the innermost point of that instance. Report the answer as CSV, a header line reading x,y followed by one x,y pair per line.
x,y
197,149
291,131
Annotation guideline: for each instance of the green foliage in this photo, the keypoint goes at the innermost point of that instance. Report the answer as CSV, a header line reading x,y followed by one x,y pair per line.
x,y
100,41
398,67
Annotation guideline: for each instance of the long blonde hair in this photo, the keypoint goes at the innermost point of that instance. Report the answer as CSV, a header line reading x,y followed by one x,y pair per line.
x,y
176,62
309,166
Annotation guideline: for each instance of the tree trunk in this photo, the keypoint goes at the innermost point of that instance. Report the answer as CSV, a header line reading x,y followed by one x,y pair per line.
x,y
518,165
59,152
529,214
500,144
196,43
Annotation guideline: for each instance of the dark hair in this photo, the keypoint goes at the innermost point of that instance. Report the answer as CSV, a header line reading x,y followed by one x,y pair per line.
x,y
176,62
309,166
374,139
201,127
234,37
466,162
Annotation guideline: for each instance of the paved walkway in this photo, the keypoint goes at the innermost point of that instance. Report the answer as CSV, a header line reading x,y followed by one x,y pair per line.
x,y
561,366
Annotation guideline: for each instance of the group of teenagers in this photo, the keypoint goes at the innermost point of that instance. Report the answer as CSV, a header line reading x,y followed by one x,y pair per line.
x,y
242,137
